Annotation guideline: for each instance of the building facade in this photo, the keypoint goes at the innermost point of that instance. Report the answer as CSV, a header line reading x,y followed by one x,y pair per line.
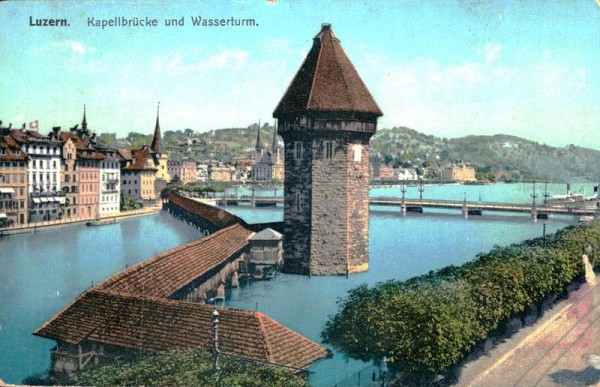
x,y
139,176
326,118
110,182
459,173
13,184
184,169
69,176
88,164
43,170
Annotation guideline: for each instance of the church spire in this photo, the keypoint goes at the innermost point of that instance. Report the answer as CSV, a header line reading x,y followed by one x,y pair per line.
x,y
84,121
157,145
258,140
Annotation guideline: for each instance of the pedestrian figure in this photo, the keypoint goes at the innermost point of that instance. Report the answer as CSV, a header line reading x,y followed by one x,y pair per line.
x,y
590,276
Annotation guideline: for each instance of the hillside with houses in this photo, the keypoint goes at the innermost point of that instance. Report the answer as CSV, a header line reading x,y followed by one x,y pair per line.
x,y
403,153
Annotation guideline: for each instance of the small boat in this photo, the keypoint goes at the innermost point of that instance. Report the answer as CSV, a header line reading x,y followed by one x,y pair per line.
x,y
99,222
585,218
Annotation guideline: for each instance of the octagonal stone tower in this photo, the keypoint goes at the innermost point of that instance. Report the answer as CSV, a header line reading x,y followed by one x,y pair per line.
x,y
326,118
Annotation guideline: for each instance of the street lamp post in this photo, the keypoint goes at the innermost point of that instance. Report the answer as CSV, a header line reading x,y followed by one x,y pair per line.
x,y
533,195
403,203
215,327
546,194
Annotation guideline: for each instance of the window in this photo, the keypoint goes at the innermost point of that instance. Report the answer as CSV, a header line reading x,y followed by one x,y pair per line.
x,y
357,152
297,198
298,150
328,149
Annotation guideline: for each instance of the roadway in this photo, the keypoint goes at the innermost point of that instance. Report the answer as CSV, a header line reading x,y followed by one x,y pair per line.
x,y
562,348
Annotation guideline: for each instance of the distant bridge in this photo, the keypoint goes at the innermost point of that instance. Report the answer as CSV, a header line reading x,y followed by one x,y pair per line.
x,y
467,207
477,208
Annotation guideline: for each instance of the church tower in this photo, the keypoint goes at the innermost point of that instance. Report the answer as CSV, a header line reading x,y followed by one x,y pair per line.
x,y
326,118
158,148
259,146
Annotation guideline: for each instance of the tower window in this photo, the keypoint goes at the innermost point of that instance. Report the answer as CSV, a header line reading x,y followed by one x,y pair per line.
x,y
328,149
357,152
298,150
297,201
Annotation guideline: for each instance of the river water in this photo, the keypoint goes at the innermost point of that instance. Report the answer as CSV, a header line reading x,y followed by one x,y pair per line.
x,y
41,273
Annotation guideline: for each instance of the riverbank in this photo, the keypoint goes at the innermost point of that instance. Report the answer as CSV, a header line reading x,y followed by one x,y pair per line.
x,y
59,223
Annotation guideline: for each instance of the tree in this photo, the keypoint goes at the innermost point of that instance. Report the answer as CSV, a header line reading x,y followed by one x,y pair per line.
x,y
176,180
429,323
108,139
187,368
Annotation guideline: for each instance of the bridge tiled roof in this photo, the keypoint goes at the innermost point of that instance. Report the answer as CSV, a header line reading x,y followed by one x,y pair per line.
x,y
327,81
168,272
214,215
151,324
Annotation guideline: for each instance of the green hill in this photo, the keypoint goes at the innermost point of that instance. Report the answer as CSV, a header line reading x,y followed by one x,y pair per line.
x,y
502,155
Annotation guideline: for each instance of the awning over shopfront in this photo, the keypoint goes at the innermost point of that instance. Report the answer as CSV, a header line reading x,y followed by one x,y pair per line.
x,y
36,200
7,190
2,215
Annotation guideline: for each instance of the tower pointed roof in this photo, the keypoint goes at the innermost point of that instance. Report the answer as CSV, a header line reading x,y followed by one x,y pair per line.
x,y
327,81
157,145
258,140
84,121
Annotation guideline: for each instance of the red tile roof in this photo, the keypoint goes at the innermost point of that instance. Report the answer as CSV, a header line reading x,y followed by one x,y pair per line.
x,y
31,137
151,324
140,156
214,215
10,150
168,272
90,154
327,81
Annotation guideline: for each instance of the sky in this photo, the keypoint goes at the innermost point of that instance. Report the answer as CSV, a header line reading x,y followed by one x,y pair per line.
x,y
447,68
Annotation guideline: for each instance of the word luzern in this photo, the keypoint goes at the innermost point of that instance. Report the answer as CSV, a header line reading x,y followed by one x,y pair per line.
x,y
48,22
122,22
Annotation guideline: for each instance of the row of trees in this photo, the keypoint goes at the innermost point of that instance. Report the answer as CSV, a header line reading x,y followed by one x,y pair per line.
x,y
432,322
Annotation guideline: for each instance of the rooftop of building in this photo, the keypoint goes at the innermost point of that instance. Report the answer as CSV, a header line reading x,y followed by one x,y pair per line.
x,y
139,158
151,324
327,82
10,151
268,234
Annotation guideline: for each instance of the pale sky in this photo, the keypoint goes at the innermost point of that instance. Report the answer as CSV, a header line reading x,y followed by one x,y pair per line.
x,y
442,67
